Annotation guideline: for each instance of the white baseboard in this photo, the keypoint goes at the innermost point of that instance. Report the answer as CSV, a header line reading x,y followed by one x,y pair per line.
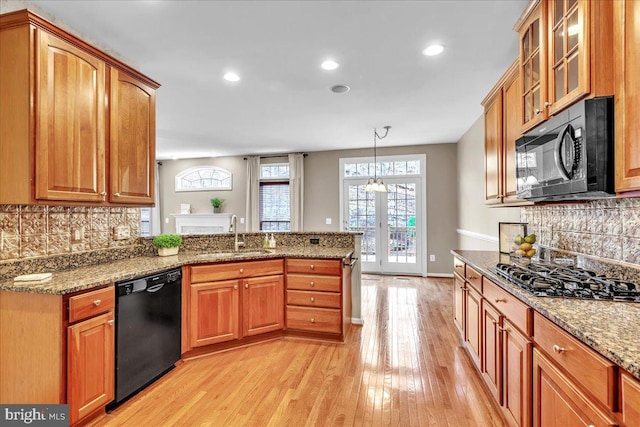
x,y
440,275
357,321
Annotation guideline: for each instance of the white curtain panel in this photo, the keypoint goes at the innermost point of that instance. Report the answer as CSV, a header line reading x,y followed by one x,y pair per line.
x,y
154,216
253,194
296,190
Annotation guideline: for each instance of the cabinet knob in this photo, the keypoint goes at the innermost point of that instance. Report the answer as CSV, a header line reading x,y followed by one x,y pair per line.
x,y
501,329
246,286
116,194
312,284
313,320
103,194
312,266
235,287
547,104
242,270
473,278
110,322
500,300
538,111
558,349
97,302
313,299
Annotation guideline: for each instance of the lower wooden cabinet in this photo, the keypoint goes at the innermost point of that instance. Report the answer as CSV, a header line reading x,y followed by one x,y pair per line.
x,y
215,312
90,374
630,396
458,303
263,305
473,301
558,402
516,375
492,350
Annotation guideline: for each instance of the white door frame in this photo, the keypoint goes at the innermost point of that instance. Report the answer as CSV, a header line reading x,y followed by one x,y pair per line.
x,y
421,207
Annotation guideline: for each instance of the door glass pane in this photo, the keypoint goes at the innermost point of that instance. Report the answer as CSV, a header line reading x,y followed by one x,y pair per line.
x,y
362,217
535,36
571,3
537,102
558,45
572,72
559,82
401,218
527,76
400,168
558,11
572,30
525,45
527,107
535,69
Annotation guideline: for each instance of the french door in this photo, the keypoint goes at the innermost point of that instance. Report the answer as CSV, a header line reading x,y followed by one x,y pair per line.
x,y
390,223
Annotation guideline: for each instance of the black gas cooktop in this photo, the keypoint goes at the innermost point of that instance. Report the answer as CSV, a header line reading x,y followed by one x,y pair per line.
x,y
551,280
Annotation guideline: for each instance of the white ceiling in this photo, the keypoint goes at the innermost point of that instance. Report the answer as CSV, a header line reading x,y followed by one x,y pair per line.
x,y
283,102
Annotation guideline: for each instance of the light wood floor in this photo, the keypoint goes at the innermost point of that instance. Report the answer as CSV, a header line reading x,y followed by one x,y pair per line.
x,y
404,367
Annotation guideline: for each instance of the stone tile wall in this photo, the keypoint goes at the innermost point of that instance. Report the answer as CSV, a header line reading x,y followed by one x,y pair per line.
x,y
28,231
608,229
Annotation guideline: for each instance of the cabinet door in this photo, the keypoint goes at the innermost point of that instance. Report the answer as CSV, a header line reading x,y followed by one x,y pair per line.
x,y
458,304
568,69
263,305
627,95
516,375
472,323
532,68
90,365
215,315
511,127
70,123
557,402
493,149
132,140
491,350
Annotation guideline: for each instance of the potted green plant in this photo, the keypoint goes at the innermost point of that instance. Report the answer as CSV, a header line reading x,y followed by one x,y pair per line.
x,y
167,244
216,203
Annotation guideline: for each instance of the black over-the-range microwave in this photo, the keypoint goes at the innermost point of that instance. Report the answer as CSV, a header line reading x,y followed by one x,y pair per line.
x,y
570,156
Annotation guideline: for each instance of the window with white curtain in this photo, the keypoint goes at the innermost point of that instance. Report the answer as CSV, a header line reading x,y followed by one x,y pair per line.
x,y
275,206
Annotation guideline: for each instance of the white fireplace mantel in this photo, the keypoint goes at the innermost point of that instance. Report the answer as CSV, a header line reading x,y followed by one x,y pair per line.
x,y
202,223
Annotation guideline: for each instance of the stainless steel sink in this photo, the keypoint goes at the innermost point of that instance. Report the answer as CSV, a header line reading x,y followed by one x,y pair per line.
x,y
232,254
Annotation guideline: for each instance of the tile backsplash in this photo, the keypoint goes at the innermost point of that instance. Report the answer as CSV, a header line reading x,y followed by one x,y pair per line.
x,y
603,228
29,231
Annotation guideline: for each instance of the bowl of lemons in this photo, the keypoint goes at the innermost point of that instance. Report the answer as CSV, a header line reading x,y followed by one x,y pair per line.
x,y
523,246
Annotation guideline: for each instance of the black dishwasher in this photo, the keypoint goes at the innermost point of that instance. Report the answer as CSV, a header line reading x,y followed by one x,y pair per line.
x,y
148,319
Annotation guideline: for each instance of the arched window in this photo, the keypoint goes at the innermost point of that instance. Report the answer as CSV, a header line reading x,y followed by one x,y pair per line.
x,y
203,178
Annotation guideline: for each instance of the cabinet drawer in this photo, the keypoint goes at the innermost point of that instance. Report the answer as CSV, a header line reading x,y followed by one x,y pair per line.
x,y
310,282
595,373
91,303
474,278
630,400
516,311
314,319
315,266
458,267
235,270
314,299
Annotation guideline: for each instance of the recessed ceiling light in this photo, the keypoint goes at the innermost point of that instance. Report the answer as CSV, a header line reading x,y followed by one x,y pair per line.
x,y
231,77
329,65
432,50
340,89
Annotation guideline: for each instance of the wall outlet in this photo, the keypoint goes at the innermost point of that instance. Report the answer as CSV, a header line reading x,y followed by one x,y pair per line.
x,y
328,221
77,234
122,232
166,220
242,220
314,241
432,258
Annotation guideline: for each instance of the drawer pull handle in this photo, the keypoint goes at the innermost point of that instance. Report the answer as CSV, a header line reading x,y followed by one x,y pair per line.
x,y
501,300
242,270
110,322
246,286
97,302
312,284
501,329
473,278
313,299
116,194
558,349
313,266
313,320
494,322
538,111
103,194
235,287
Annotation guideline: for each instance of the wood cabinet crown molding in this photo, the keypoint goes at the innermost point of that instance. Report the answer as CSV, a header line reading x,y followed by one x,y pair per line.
x,y
531,7
25,16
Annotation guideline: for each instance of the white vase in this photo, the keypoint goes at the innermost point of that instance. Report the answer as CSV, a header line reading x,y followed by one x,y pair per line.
x,y
168,251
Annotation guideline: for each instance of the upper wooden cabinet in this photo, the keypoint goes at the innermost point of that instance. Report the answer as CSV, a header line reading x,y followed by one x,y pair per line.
x,y
565,55
627,94
72,120
502,124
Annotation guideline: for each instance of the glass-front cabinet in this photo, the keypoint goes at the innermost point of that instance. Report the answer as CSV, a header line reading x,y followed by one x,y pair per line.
x,y
569,69
532,72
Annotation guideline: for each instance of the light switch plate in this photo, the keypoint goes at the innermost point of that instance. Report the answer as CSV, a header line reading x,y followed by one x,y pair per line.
x,y
328,221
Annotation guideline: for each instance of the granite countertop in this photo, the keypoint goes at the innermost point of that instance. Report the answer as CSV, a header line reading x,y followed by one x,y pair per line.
x,y
65,282
610,328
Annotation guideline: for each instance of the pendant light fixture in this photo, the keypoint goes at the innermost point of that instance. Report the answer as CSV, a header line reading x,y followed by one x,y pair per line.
x,y
375,183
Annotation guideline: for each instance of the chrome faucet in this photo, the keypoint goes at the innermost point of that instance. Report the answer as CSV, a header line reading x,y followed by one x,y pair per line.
x,y
234,224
